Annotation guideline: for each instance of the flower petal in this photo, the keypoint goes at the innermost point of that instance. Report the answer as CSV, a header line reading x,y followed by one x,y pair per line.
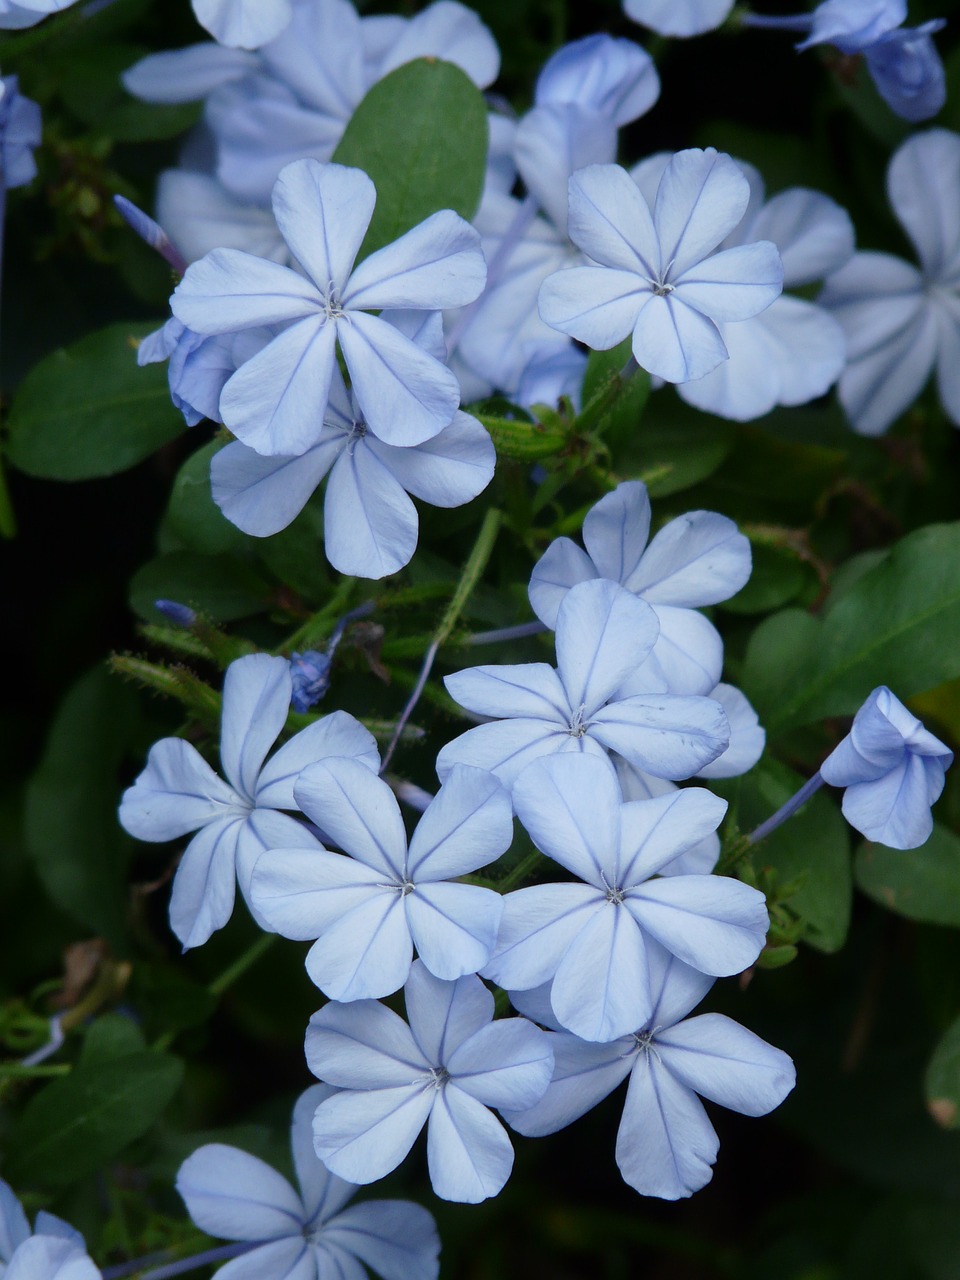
x,y
323,211
447,470
395,1238
506,747
358,812
367,952
363,1045
656,831
454,926
727,1064
735,284
676,342
561,567
713,923
442,1014
610,221
301,893
601,989
583,1075
697,559
701,198
229,290
256,700
467,825
506,1064
666,1146
338,734
923,183
468,1152
176,793
596,305
664,734
322,1193
435,265
362,1136
602,633
570,805
538,926
204,887
528,689
231,1194
812,232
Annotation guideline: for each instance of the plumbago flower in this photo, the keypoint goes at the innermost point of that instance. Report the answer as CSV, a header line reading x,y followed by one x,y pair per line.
x,y
20,131
15,14
603,633
657,277
370,909
243,24
307,1235
892,769
794,350
370,525
698,559
666,1145
590,939
238,819
200,366
275,402
902,322
446,1069
53,1251
678,17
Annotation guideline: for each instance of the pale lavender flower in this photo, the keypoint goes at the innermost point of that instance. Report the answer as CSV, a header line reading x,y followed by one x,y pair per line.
x,y
446,1069
678,17
52,1251
243,24
15,14
666,1145
236,820
199,366
20,132
367,911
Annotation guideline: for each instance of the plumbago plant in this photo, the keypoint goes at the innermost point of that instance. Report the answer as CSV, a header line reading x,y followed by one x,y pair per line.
x,y
530,437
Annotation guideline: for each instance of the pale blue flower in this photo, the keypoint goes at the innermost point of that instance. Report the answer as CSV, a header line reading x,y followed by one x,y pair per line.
x,y
590,938
15,14
602,634
236,820
697,559
679,17
367,911
200,366
20,132
658,279
370,524
666,1145
275,402
794,350
901,322
52,1251
446,1069
310,678
850,25
243,24
892,769
304,1234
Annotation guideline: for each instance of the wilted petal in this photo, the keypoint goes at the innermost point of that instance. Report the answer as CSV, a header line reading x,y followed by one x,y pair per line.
x,y
666,1146
713,923
231,1194
727,1064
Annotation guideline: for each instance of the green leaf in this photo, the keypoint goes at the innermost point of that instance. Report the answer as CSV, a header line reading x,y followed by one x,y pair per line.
x,y
77,1124
295,555
813,847
88,410
222,587
192,516
921,884
421,134
778,576
942,1082
111,1036
77,845
895,625
676,445
619,421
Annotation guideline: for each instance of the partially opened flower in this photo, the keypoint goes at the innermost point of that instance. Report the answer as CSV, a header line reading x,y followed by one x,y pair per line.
x,y
368,910
446,1069
275,402
892,769
305,1234
603,634
658,279
590,939
236,820
666,1145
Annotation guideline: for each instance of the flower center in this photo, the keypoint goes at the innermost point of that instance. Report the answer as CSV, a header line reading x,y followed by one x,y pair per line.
x,y
332,304
578,726
435,1078
614,892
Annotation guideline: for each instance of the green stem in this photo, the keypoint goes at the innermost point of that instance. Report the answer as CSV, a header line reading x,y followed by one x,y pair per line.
x,y
240,966
17,1071
515,878
319,626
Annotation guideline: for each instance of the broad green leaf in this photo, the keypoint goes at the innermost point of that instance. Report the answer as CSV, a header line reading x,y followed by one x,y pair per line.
x,y
675,444
88,410
111,1036
812,846
421,134
896,625
942,1083
72,833
295,555
192,516
222,587
921,884
74,1126
778,576
89,82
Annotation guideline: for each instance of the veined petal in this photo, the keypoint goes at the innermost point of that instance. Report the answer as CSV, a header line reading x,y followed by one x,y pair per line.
x,y
275,402
363,1045
877,387
406,395
697,559
256,700
229,290
322,1194
676,987
453,926
323,211
713,923
358,812
50,1258
583,1075
267,829
895,809
449,31
301,893
611,222
735,284
727,1064
506,747
666,1146
813,233
396,1238
362,1136
176,793
370,526
597,305
747,737
599,73
200,215
467,825
447,470
655,831
561,567
338,734
367,952
676,342
530,689
687,658
923,183
602,632
615,531
701,198
538,926
570,805
552,141
442,1014
288,1259
601,990
664,734
204,888
262,495
507,1063
468,1152
231,1194
435,265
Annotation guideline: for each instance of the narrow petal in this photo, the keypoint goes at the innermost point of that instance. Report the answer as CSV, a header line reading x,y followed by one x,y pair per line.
x,y
596,305
530,689
561,567
601,990
538,926
323,211
715,924
370,526
570,805
655,831
454,927
367,952
676,342
468,1152
230,290
262,495
724,1062
583,1075
468,825
301,893
363,1045
437,264
256,700
231,1194
204,887
666,1146
338,734
364,1136
406,395
663,734
397,1239
176,793
701,198
506,1064
358,812
602,632
186,75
